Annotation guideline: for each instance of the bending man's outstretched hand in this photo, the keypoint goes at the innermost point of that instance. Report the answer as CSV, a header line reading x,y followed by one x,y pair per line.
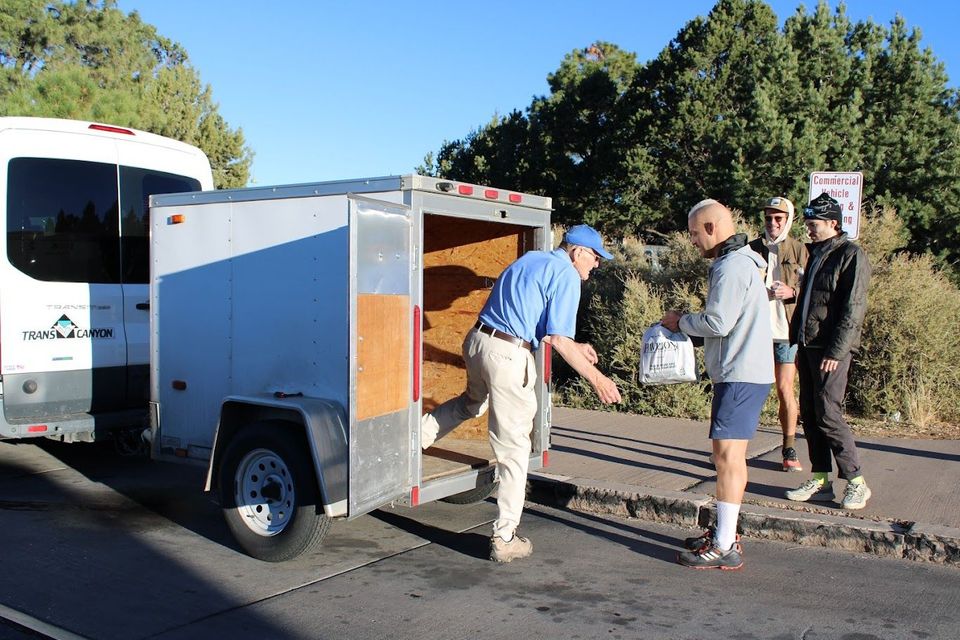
x,y
582,357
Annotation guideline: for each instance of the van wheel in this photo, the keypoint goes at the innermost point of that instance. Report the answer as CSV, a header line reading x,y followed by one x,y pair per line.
x,y
268,492
472,496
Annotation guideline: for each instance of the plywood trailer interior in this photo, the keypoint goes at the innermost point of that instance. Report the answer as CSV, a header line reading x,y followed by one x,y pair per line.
x,y
462,259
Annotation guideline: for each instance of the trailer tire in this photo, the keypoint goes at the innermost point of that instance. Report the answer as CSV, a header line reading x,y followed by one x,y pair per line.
x,y
268,492
473,496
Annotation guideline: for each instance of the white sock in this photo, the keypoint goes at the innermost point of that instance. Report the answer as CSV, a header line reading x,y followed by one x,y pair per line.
x,y
507,538
727,515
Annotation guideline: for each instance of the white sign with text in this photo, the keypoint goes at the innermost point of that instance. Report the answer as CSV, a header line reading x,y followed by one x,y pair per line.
x,y
846,188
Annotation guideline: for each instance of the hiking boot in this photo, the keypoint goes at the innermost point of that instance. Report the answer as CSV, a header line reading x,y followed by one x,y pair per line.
x,y
518,547
710,556
855,496
704,538
790,460
811,490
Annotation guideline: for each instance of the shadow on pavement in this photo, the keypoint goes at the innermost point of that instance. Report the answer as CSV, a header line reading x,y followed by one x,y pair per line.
x,y
468,543
563,431
889,448
664,549
170,490
635,463
111,568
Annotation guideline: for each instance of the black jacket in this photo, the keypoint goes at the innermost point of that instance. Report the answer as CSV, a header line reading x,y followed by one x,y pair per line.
x,y
838,298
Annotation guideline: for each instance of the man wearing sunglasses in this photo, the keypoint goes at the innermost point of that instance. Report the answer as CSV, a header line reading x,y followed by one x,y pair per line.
x,y
786,257
534,300
826,326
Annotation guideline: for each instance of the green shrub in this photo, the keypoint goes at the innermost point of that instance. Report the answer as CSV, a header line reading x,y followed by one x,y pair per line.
x,y
905,366
620,301
910,342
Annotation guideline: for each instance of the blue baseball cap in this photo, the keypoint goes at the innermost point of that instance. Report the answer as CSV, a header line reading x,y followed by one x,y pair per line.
x,y
586,236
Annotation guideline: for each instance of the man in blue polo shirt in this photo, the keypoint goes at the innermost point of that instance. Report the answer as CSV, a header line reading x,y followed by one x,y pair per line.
x,y
534,300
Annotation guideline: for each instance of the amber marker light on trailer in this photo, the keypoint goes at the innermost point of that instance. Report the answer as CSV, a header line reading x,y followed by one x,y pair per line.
x,y
176,218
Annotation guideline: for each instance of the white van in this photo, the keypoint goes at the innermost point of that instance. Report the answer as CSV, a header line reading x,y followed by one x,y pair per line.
x,y
74,298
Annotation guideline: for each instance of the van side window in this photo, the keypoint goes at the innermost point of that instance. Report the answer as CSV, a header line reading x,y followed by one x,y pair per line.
x,y
136,187
62,220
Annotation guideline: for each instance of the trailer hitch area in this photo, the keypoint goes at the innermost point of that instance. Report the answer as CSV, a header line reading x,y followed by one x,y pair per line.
x,y
283,394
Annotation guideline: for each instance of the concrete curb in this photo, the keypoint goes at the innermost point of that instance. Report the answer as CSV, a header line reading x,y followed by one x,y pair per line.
x,y
910,541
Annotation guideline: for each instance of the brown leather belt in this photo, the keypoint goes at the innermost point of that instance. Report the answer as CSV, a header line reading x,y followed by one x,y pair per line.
x,y
506,337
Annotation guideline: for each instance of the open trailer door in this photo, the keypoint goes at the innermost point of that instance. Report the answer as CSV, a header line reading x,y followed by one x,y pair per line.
x,y
381,354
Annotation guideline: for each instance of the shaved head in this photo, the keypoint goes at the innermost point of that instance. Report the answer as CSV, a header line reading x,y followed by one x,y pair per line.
x,y
710,224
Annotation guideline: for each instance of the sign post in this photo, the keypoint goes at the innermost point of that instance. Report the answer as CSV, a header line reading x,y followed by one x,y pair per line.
x,y
846,187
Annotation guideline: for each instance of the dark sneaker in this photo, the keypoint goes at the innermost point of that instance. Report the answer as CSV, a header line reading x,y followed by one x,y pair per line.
x,y
811,490
710,556
704,538
790,460
856,496
517,548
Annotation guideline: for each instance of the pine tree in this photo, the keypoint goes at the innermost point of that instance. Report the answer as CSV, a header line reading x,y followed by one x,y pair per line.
x,y
90,61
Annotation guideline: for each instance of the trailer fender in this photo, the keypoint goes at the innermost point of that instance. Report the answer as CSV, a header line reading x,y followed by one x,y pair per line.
x,y
323,423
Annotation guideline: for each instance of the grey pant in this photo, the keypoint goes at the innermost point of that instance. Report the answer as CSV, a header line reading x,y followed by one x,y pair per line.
x,y
821,400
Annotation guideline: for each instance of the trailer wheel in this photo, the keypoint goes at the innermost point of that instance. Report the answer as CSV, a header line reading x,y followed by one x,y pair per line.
x,y
268,493
472,496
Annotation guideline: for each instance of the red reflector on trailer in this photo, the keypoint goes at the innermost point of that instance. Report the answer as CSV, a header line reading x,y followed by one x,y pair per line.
x,y
176,218
491,193
546,458
547,361
465,190
416,352
515,197
37,428
414,496
179,385
108,128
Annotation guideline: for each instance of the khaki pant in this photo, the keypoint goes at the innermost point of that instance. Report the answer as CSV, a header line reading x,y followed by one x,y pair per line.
x,y
504,376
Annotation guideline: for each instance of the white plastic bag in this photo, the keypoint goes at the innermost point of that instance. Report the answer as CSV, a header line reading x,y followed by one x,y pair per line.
x,y
667,357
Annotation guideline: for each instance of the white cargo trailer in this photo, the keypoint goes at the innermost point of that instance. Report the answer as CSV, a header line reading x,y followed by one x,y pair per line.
x,y
299,332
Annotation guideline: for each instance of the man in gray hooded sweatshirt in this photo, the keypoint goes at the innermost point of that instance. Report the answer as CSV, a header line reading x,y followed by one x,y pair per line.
x,y
735,327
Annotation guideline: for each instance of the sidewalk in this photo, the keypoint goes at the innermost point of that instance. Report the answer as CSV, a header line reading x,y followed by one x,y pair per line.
x,y
659,469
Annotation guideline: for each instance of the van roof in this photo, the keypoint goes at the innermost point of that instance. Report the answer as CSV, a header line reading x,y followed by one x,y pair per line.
x,y
85,127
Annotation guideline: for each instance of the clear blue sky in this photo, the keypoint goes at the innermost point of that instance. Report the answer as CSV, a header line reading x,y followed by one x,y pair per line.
x,y
329,90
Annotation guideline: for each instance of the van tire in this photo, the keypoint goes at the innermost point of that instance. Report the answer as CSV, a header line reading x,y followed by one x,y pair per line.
x,y
271,457
473,496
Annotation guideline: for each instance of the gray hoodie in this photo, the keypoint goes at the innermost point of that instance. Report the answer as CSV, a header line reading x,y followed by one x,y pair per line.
x,y
735,323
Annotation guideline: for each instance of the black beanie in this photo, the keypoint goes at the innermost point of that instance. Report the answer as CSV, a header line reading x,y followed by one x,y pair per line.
x,y
823,207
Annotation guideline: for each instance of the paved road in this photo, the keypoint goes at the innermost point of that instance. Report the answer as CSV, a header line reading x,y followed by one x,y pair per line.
x,y
103,548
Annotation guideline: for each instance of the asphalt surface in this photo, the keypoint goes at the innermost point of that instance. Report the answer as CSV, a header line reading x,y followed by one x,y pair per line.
x,y
112,548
